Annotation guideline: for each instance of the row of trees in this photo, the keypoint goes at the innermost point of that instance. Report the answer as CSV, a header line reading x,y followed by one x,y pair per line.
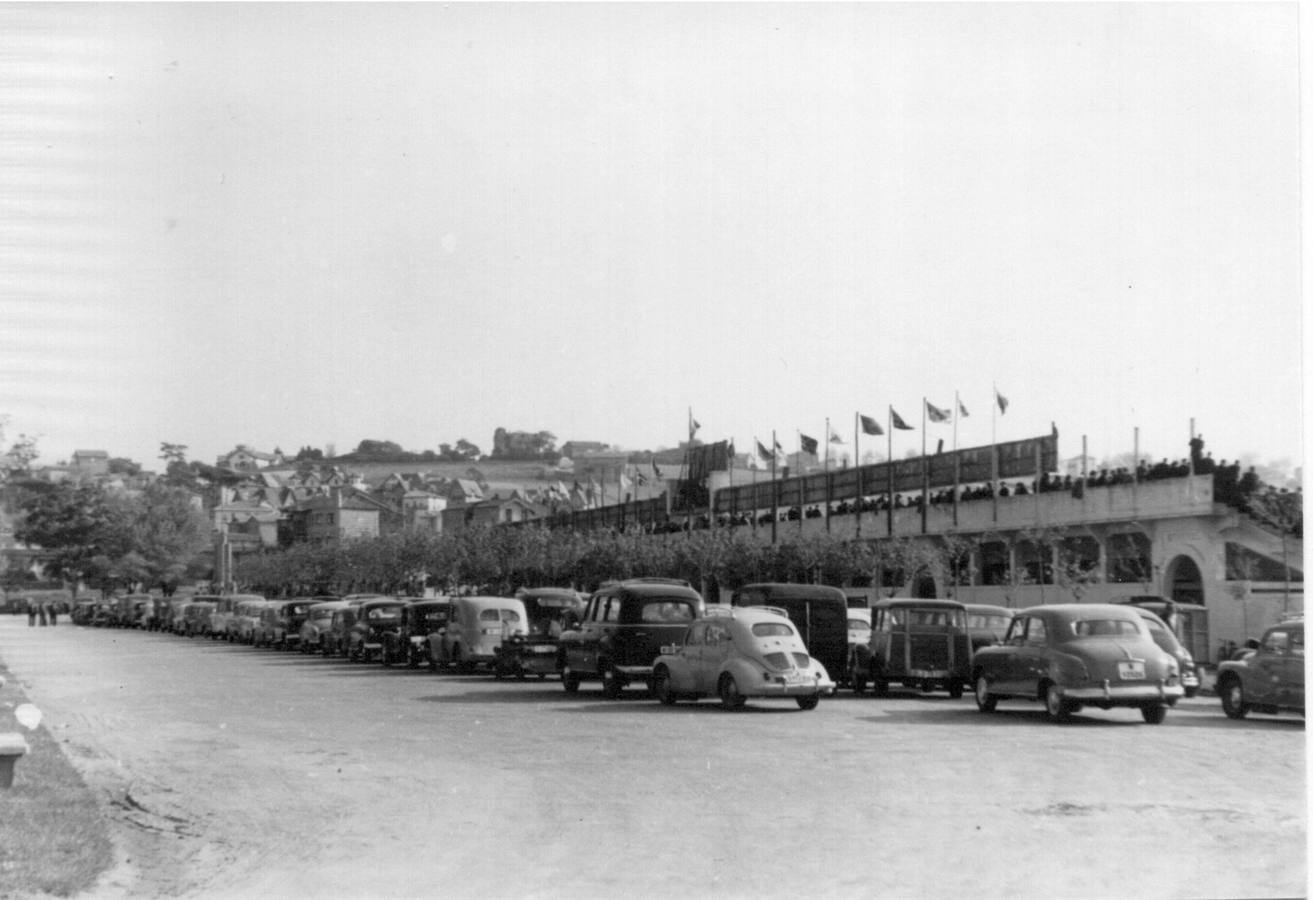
x,y
111,540
498,560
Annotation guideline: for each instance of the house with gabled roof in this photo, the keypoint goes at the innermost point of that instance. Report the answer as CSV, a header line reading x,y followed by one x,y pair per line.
x,y
244,459
90,462
464,492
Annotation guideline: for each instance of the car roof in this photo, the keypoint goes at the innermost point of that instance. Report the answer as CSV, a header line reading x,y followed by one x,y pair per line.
x,y
794,590
745,614
668,588
488,601
913,601
1084,611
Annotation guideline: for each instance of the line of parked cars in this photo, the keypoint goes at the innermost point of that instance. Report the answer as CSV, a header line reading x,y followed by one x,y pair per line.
x,y
772,640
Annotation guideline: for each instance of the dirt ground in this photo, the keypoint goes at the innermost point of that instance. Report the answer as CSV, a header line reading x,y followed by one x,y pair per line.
x,y
228,771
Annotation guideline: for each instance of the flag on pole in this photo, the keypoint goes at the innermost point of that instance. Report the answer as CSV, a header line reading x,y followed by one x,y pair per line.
x,y
640,477
936,414
961,410
765,454
693,425
869,425
753,461
898,421
656,473
1002,401
834,437
809,444
625,483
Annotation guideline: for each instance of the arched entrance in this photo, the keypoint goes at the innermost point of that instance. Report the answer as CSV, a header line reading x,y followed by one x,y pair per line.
x,y
923,587
1183,581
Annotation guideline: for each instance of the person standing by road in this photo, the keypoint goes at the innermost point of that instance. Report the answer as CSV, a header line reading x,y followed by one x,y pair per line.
x,y
31,612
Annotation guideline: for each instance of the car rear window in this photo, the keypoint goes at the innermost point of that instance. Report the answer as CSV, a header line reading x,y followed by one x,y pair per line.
x,y
859,625
388,612
1105,628
499,615
934,617
667,611
774,629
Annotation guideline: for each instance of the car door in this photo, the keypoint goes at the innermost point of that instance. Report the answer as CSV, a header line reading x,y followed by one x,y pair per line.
x,y
1003,668
686,673
1033,660
715,651
1295,669
1269,666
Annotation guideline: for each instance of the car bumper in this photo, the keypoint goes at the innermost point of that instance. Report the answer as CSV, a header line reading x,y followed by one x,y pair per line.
x,y
801,689
1125,693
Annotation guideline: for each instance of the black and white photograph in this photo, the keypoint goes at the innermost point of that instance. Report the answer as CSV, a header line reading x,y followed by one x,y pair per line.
x,y
702,449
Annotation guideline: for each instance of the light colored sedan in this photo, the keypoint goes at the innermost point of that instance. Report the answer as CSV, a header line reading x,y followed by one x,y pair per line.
x,y
740,652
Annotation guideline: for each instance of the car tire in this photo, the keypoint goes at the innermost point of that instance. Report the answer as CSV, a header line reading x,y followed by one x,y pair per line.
x,y
858,681
570,679
661,687
809,702
1154,713
611,684
955,690
985,701
385,657
1191,692
1055,707
880,687
730,698
1233,699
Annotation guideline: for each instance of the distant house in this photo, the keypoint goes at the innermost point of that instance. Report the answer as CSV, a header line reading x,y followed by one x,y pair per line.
x,y
423,510
493,511
90,462
249,524
464,492
337,516
244,459
577,448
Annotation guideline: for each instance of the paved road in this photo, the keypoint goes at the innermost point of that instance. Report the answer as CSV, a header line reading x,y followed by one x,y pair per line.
x,y
230,771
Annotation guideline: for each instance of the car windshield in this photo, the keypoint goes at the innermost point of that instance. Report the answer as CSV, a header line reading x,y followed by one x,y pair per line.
x,y
772,629
934,617
435,619
985,622
667,611
1105,628
385,613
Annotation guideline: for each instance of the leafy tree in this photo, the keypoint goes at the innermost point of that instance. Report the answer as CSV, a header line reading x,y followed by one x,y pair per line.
x,y
168,532
120,465
81,527
309,453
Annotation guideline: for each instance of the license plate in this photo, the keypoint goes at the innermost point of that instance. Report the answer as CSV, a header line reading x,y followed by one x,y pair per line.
x,y
1131,671
794,678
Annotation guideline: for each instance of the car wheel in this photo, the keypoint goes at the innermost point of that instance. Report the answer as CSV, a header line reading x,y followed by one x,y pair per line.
x,y
661,687
880,687
385,656
611,685
570,679
1154,713
1191,692
730,697
985,701
1233,699
412,660
858,681
955,690
1054,705
810,702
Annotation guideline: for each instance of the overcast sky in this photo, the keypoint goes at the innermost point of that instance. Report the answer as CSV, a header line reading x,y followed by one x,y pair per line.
x,y
314,224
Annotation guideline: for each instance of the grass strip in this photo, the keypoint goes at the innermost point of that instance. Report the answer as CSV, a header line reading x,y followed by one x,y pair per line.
x,y
53,838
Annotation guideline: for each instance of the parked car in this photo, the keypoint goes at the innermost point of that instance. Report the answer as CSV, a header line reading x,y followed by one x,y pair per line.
x,y
246,618
819,613
374,620
550,612
1166,639
171,613
859,635
1271,679
738,653
334,640
223,621
421,619
623,627
280,622
130,610
1071,655
1188,621
82,612
319,617
917,643
477,628
987,624
196,617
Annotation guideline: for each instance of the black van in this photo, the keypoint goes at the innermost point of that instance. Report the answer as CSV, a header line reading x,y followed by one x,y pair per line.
x,y
819,613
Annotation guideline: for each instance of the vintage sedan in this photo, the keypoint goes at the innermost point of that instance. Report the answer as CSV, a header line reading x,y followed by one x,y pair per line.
x,y
375,620
1072,655
987,624
550,612
740,652
1165,638
1269,680
310,638
421,619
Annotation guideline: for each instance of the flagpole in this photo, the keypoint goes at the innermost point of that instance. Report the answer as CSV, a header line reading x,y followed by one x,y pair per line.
x,y
890,431
827,473
755,444
774,488
798,477
925,469
993,456
857,465
957,463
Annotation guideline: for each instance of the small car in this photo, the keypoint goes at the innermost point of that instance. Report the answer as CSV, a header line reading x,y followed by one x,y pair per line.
x,y
374,620
819,612
279,625
319,617
420,619
623,628
738,653
246,618
1271,679
1165,638
987,624
478,626
859,635
197,615
550,611
334,640
1071,655
917,643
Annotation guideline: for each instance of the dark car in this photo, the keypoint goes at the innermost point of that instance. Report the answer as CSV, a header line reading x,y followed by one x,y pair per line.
x,y
1070,655
375,619
623,628
819,613
196,616
1269,680
917,643
550,611
409,644
335,639
1166,639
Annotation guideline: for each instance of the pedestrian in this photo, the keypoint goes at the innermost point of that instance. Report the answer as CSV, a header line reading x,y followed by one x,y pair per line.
x,y
54,613
31,612
41,613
